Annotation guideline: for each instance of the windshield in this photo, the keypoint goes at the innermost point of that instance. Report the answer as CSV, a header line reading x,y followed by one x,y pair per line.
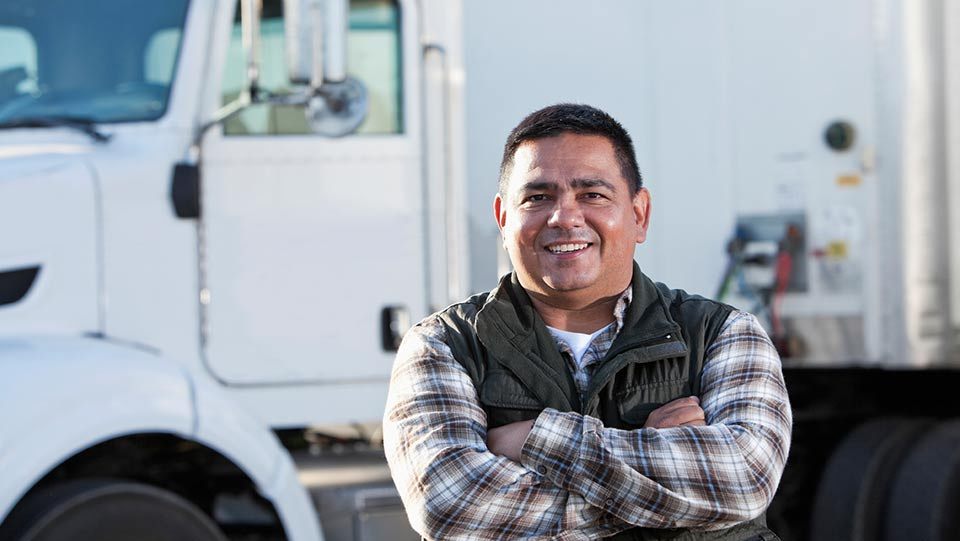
x,y
96,60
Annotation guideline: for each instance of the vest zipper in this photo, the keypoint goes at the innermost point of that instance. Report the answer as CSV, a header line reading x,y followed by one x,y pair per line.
x,y
608,371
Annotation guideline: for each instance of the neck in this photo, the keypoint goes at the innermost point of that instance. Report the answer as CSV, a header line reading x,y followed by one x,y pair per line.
x,y
575,317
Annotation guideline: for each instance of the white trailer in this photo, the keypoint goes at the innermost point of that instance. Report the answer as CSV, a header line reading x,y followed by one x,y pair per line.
x,y
839,118
216,222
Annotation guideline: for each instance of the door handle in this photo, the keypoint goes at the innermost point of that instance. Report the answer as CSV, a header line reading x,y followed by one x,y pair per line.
x,y
394,323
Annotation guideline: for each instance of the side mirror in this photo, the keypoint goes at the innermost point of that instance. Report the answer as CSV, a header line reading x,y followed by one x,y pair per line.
x,y
338,109
185,190
317,56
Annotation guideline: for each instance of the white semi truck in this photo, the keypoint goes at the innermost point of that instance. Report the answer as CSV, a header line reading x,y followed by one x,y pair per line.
x,y
209,243
216,220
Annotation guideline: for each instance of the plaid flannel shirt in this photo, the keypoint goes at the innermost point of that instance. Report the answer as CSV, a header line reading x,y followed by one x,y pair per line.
x,y
578,479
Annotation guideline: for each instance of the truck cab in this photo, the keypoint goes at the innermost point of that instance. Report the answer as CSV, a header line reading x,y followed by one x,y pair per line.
x,y
219,217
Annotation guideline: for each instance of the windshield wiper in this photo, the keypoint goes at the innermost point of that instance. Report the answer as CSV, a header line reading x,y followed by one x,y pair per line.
x,y
83,124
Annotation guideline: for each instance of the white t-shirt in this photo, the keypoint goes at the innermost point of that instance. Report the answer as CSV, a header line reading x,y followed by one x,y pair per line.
x,y
579,342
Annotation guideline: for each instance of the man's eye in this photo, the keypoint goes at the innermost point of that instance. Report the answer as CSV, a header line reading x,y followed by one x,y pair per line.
x,y
536,197
593,195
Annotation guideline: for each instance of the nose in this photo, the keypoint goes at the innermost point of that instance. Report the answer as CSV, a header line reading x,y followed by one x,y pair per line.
x,y
566,214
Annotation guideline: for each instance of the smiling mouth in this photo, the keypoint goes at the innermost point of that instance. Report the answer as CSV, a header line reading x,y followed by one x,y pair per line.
x,y
567,248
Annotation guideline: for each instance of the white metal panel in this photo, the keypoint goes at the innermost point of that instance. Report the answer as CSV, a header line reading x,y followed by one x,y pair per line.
x,y
915,165
447,271
49,215
690,143
891,333
924,209
150,258
952,51
293,406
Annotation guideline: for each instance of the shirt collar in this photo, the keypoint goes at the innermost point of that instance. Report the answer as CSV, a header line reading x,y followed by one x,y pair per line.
x,y
620,309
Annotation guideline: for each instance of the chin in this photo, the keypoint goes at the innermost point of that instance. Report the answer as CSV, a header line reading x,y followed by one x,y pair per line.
x,y
570,284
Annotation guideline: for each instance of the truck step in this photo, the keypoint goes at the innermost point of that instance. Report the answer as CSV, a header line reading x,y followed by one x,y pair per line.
x,y
355,497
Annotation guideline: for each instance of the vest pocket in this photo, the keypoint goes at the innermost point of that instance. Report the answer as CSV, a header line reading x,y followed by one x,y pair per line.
x,y
506,400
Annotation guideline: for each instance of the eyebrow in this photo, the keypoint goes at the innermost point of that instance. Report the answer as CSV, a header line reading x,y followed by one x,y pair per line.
x,y
539,185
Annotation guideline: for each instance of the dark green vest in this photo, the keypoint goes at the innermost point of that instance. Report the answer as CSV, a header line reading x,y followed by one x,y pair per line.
x,y
518,370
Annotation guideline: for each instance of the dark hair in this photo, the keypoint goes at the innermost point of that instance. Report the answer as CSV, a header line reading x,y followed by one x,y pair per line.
x,y
572,118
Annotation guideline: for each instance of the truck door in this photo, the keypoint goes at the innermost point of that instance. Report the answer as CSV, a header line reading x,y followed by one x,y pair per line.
x,y
305,239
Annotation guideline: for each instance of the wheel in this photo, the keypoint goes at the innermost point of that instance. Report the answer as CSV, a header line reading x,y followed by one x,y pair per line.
x,y
852,495
107,510
926,491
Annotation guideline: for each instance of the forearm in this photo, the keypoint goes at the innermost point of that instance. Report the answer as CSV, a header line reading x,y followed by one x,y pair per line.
x,y
472,494
452,486
705,477
702,477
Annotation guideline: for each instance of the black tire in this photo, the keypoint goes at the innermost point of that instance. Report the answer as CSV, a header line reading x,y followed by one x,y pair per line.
x,y
853,492
107,510
925,502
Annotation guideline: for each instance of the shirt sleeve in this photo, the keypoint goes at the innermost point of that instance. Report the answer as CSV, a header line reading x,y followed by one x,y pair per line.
x,y
451,485
708,477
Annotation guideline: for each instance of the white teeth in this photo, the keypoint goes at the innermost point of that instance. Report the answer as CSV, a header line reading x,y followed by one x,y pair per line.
x,y
562,248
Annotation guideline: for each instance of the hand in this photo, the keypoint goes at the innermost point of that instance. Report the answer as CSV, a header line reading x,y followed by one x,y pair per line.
x,y
507,440
680,412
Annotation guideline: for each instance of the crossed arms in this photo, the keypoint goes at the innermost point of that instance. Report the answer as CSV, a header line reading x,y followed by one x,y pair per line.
x,y
575,478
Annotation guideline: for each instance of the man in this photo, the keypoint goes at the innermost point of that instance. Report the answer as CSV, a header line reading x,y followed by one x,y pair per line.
x,y
579,399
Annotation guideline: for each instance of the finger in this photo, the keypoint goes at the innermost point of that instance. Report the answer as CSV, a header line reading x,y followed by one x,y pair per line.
x,y
679,403
680,421
677,417
683,413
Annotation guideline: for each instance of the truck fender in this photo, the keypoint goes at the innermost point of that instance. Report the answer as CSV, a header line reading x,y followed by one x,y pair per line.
x,y
62,395
225,426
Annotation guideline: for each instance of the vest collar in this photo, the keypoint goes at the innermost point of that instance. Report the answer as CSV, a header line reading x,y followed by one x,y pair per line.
x,y
516,338
510,328
648,317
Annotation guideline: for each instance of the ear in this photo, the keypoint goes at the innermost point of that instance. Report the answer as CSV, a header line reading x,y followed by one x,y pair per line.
x,y
641,210
500,211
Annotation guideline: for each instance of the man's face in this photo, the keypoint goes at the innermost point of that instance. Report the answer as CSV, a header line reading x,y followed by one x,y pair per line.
x,y
569,221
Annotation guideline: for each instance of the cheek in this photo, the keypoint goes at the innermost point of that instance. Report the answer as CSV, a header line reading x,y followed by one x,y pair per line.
x,y
524,228
516,239
619,231
612,224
